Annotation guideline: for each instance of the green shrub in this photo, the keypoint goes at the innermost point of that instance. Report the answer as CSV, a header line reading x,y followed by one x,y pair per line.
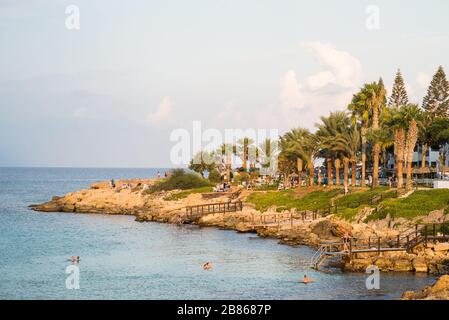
x,y
184,194
180,179
419,203
214,176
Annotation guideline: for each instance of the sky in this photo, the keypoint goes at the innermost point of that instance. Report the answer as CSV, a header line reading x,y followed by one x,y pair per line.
x,y
111,93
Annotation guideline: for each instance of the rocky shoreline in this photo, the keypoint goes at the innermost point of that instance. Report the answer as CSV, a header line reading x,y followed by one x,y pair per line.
x,y
433,259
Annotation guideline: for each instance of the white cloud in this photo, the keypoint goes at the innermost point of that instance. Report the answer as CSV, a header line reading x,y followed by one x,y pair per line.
x,y
302,104
291,96
344,69
162,113
423,80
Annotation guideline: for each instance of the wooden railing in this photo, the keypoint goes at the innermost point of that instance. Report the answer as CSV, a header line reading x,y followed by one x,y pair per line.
x,y
406,241
210,208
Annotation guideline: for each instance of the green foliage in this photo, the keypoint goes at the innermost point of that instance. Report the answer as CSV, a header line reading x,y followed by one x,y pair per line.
x,y
350,205
417,204
436,102
203,161
184,194
399,93
180,179
214,176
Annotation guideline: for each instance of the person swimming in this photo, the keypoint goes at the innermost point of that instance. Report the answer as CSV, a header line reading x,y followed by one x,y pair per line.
x,y
207,266
306,279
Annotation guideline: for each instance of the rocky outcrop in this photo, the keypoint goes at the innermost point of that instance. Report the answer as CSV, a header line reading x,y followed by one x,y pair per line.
x,y
438,291
423,259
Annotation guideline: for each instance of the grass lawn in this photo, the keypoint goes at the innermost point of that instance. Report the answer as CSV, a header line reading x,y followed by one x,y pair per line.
x,y
286,199
417,204
185,193
348,206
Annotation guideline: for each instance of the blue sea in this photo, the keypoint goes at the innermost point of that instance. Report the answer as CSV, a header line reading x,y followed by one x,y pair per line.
x,y
124,259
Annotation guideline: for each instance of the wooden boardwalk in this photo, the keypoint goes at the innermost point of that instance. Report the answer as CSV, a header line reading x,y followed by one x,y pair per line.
x,y
407,241
212,208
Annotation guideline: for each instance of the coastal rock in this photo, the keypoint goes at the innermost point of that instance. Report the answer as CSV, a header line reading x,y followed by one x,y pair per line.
x,y
439,247
420,264
438,291
403,265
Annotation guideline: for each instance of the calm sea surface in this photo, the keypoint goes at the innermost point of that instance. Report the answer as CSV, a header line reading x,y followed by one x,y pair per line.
x,y
124,259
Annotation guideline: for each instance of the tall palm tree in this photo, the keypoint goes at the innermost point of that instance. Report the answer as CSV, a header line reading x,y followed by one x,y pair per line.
x,y
227,151
367,105
380,99
361,106
268,152
330,127
243,148
348,143
405,122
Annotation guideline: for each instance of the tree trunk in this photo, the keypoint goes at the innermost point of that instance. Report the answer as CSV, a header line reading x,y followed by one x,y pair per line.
x,y
354,172
337,172
412,137
299,167
311,173
423,156
364,130
329,172
244,156
228,168
399,144
346,170
376,148
400,174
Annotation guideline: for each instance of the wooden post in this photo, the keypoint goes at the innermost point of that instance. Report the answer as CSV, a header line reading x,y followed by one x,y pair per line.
x,y
434,230
416,231
291,220
378,245
369,242
279,223
425,235
350,246
399,240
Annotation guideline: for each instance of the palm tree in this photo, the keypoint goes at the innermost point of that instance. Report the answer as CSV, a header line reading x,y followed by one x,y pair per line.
x,y
330,127
244,145
348,143
268,153
405,122
366,105
361,106
304,144
227,151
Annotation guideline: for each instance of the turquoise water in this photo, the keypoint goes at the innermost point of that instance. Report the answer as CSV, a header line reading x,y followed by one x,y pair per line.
x,y
124,259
